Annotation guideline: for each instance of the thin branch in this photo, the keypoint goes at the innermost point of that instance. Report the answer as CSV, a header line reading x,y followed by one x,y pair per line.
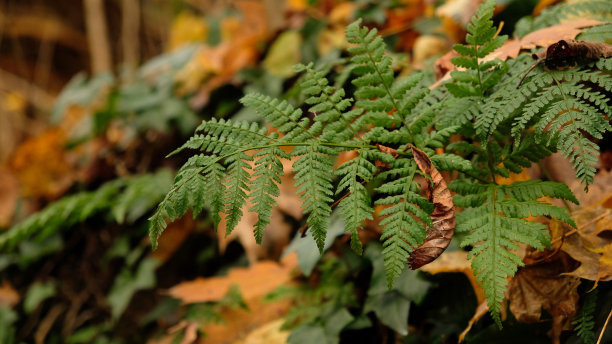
x,y
97,36
604,327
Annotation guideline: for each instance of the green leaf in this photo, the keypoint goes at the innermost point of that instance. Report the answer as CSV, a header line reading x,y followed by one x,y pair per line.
x,y
128,283
37,293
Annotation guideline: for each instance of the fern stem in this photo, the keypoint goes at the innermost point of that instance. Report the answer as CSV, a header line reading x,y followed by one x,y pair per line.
x,y
382,79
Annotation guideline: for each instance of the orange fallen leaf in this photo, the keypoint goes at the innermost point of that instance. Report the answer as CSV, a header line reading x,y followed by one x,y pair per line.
x,y
254,282
172,238
8,295
43,165
240,323
481,310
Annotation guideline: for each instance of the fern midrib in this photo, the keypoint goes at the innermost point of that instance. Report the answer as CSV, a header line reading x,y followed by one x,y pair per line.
x,y
387,89
353,190
493,239
574,118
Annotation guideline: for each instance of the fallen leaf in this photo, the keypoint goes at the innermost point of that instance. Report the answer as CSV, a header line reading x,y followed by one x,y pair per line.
x,y
590,243
43,165
8,295
427,46
439,236
254,282
187,27
547,36
481,310
284,53
239,324
512,47
542,4
173,237
541,286
457,262
269,333
9,195
212,67
461,11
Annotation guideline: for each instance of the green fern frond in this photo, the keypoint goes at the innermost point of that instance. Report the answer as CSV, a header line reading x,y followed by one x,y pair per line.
x,y
356,206
329,106
375,79
281,115
480,74
237,183
402,232
267,173
313,179
584,324
566,113
127,199
494,219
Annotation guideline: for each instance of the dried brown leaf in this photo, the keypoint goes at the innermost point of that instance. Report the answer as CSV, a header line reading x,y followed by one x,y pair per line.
x,y
542,286
512,47
443,216
590,245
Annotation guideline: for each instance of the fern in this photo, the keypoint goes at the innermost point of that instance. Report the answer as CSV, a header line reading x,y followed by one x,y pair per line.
x,y
127,199
569,108
339,123
402,231
504,130
494,218
583,321
480,75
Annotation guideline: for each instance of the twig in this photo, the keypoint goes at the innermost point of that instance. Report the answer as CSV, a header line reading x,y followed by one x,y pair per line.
x,y
593,220
527,73
47,323
130,43
604,327
34,94
97,36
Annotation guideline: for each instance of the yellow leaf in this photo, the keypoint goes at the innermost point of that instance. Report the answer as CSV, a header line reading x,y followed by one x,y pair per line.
x,y
283,54
187,27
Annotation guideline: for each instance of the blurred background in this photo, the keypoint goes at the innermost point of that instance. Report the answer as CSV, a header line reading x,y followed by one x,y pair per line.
x,y
95,93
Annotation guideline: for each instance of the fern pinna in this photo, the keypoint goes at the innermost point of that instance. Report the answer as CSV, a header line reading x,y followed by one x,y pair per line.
x,y
241,161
